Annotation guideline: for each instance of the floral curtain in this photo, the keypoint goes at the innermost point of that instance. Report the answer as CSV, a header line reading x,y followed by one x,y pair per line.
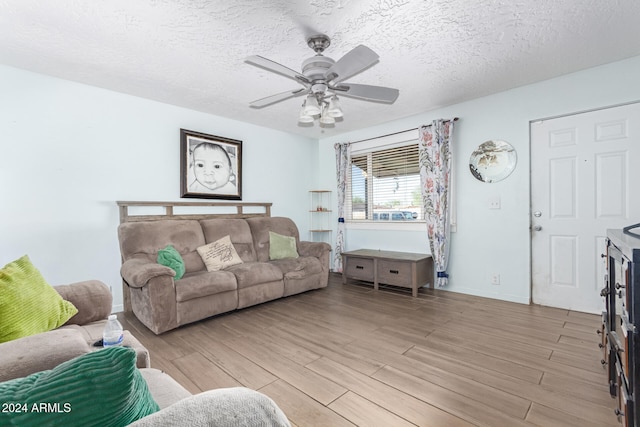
x,y
435,177
343,159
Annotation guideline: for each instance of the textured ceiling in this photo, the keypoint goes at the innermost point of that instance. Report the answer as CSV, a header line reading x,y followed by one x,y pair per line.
x,y
191,53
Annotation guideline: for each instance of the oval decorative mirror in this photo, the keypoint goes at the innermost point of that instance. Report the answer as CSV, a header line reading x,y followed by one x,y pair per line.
x,y
493,161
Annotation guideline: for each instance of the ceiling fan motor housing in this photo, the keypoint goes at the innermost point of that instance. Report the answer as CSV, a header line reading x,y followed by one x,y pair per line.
x,y
319,42
315,69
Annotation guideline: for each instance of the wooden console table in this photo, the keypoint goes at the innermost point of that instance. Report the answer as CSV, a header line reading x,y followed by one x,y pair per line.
x,y
405,269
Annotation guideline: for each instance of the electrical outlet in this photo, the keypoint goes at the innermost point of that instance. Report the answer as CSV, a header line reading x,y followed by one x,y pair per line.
x,y
494,202
495,279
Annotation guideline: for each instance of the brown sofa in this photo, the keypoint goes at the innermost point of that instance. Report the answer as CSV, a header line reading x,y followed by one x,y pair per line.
x,y
46,350
162,303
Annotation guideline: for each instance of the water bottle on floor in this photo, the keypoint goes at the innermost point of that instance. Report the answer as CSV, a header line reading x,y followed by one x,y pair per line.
x,y
113,333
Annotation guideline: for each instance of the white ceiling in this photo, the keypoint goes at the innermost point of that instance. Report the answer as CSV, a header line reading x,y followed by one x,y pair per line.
x,y
191,53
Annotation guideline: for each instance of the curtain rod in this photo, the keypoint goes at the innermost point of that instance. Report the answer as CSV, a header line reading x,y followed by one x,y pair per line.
x,y
455,119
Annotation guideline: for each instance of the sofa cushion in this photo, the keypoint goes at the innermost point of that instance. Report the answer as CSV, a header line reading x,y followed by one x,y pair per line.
x,y
92,332
281,247
196,285
148,237
298,268
237,229
255,273
28,304
95,389
38,352
170,257
219,255
260,227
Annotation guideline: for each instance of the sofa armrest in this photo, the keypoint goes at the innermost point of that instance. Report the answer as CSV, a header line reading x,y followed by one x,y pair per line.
x,y
165,390
315,249
39,352
92,298
137,272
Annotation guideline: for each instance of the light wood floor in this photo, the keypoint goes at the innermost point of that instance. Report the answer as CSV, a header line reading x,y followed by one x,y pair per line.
x,y
347,355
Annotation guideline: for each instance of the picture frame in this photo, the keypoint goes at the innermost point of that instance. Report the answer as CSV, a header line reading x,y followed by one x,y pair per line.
x,y
210,166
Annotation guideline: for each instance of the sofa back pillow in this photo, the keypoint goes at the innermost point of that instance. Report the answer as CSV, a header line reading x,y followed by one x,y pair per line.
x,y
238,231
92,298
260,228
149,237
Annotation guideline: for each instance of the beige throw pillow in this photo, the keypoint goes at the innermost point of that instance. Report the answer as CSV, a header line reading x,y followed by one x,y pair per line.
x,y
219,254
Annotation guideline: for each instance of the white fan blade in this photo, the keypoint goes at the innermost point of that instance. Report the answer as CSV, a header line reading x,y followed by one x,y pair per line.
x,y
353,62
269,65
368,92
277,98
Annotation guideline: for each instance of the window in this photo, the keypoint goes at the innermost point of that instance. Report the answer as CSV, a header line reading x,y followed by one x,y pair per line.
x,y
384,184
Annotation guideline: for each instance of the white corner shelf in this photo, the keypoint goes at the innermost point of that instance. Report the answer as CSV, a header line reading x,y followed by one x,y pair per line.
x,y
320,211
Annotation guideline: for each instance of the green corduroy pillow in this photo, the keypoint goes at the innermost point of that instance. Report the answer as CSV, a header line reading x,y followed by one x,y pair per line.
x,y
281,247
28,304
101,388
171,258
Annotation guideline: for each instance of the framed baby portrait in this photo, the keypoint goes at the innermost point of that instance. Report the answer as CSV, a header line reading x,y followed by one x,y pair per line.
x,y
210,166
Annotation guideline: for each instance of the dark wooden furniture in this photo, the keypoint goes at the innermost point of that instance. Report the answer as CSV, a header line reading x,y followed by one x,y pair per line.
x,y
620,340
404,269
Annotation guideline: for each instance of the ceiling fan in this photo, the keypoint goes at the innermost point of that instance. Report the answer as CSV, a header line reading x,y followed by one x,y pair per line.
x,y
322,79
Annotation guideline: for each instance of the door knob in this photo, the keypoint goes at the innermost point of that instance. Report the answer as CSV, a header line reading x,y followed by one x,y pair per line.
x,y
537,214
537,228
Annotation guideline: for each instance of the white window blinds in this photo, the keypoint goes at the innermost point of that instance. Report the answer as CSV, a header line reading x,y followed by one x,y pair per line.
x,y
384,182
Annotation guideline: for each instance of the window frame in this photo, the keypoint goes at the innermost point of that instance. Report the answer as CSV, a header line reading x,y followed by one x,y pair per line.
x,y
396,140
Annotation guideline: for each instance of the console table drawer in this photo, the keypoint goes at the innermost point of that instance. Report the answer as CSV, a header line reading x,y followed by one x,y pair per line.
x,y
359,268
394,273
404,269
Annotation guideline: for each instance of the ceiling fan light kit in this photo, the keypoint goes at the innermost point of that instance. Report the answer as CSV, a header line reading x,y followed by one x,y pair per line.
x,y
304,117
334,108
326,109
321,79
311,106
325,117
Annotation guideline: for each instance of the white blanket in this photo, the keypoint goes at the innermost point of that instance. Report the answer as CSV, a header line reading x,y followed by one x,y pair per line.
x,y
232,407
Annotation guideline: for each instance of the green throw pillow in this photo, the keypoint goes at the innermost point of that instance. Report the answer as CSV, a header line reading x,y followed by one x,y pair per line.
x,y
28,304
170,257
101,388
282,246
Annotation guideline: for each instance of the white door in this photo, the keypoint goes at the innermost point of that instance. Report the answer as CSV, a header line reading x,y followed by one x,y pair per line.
x,y
585,178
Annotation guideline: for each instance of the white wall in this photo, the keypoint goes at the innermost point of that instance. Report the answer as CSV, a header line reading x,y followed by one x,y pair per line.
x,y
493,241
68,152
